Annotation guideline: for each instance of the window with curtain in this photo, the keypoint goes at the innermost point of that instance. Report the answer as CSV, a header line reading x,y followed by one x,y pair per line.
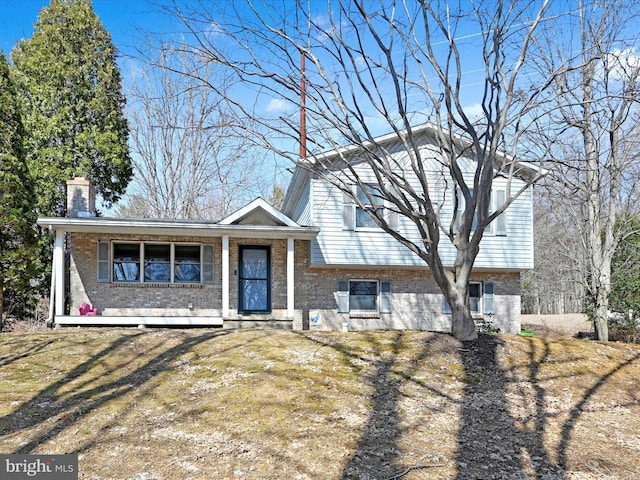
x,y
155,262
126,262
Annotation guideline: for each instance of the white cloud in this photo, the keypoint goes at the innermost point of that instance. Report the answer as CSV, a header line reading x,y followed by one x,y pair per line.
x,y
214,30
626,60
622,64
474,111
278,105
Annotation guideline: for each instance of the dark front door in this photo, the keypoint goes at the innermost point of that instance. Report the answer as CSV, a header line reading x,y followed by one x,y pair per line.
x,y
254,279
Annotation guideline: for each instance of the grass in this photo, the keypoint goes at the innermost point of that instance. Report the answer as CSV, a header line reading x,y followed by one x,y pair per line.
x,y
266,404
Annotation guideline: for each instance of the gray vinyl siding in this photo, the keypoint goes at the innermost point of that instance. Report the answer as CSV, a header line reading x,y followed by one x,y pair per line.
x,y
337,246
302,214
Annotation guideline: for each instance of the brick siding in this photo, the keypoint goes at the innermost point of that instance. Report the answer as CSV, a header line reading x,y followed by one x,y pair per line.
x,y
417,301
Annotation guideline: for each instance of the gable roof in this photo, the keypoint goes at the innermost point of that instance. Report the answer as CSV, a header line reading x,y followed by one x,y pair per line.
x,y
258,219
258,212
303,170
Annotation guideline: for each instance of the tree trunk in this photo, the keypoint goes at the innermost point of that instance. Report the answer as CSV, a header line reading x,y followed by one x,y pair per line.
x,y
601,298
601,322
1,300
463,327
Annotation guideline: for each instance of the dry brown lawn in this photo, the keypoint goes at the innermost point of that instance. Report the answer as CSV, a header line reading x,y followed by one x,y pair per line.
x,y
266,404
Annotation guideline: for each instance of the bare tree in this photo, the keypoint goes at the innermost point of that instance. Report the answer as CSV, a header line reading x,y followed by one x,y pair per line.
x,y
593,130
373,68
189,161
555,285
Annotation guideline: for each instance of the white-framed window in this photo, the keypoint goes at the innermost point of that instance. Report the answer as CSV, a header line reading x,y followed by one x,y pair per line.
x,y
187,263
499,226
475,297
369,195
157,262
364,296
126,262
462,204
481,299
154,262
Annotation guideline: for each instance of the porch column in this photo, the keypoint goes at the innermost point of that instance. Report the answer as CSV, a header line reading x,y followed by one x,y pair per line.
x,y
225,276
290,278
58,271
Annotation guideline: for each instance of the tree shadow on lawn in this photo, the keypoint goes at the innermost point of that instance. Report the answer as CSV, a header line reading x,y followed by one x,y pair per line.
x,y
495,443
378,454
32,350
57,400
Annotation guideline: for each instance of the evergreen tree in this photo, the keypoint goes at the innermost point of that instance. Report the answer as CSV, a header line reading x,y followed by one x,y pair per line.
x,y
16,212
73,106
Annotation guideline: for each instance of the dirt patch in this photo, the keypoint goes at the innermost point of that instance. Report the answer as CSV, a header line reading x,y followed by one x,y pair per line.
x,y
559,326
203,404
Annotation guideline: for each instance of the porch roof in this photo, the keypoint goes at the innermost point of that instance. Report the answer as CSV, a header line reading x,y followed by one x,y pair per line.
x,y
196,228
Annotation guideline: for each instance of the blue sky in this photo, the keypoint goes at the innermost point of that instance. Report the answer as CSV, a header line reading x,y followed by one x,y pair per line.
x,y
124,18
120,18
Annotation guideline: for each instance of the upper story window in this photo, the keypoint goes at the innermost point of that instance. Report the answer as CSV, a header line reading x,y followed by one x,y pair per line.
x,y
369,196
147,262
499,225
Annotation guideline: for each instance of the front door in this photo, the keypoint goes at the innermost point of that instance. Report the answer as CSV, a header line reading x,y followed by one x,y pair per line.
x,y
254,279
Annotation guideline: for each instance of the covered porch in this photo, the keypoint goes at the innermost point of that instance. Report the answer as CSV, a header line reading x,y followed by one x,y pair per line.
x,y
258,221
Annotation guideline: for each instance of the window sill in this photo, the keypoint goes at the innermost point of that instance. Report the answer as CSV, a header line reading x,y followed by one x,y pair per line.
x,y
364,315
156,285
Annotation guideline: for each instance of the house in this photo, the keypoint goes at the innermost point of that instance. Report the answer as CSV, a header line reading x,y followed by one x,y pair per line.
x,y
320,262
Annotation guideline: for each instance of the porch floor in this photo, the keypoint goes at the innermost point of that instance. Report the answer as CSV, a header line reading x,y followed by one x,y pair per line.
x,y
138,320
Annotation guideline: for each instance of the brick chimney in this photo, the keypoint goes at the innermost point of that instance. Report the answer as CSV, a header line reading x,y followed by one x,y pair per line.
x,y
81,198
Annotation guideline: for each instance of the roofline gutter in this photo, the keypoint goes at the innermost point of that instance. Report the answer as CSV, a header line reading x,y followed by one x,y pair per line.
x,y
107,225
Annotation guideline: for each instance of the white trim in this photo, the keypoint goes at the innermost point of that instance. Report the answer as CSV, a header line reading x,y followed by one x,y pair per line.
x,y
225,276
257,204
480,298
290,277
367,280
428,128
58,259
139,320
108,225
144,244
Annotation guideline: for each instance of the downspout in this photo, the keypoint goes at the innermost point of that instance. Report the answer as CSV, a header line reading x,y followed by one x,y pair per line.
x,y
49,321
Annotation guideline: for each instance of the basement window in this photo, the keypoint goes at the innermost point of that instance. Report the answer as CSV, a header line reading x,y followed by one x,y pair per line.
x,y
364,297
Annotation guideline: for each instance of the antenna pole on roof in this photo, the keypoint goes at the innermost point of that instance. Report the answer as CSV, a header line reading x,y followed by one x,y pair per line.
x,y
303,101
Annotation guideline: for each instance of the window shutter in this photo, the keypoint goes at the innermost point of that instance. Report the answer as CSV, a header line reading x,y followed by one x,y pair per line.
x,y
489,298
207,264
348,214
393,220
446,309
391,210
457,196
104,263
501,221
343,296
386,300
